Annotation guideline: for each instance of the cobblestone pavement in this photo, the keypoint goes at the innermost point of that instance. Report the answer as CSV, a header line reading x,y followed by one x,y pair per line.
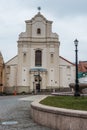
x,y
16,109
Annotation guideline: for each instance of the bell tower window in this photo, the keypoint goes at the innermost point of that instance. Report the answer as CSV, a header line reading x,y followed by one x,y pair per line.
x,y
38,31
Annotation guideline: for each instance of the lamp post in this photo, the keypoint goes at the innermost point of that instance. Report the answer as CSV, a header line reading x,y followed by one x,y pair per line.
x,y
77,93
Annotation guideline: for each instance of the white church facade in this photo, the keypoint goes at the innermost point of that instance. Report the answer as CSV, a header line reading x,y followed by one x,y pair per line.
x,y
38,66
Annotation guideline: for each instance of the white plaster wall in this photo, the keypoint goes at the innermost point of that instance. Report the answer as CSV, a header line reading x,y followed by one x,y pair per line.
x,y
44,57
38,25
32,58
20,59
61,77
24,76
44,80
67,72
13,76
13,61
51,77
67,76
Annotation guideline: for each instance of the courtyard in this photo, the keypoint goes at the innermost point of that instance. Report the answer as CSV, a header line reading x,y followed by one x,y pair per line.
x,y
15,113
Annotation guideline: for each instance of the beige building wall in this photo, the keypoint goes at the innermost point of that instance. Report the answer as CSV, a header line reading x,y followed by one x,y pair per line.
x,y
67,73
11,75
28,42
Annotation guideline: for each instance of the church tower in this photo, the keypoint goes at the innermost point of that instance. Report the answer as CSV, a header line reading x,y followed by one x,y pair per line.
x,y
38,56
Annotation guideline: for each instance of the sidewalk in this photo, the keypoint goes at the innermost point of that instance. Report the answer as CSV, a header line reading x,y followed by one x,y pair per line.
x,y
33,97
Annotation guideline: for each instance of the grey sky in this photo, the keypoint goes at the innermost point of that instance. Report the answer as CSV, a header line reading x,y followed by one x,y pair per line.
x,y
69,22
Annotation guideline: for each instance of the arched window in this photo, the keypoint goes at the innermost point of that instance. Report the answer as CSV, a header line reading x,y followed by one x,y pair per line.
x,y
38,58
38,31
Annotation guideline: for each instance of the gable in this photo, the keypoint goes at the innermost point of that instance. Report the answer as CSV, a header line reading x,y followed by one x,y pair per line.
x,y
65,62
38,22
12,61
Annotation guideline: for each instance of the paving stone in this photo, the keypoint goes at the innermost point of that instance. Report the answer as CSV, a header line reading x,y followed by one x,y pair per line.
x,y
17,108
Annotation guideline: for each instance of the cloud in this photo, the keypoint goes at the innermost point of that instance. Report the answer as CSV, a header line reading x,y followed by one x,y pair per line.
x,y
68,29
69,21
65,7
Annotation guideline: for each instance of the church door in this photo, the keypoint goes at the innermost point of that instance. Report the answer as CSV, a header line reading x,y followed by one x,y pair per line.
x,y
38,80
38,87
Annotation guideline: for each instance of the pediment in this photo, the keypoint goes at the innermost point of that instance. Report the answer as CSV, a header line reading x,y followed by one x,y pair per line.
x,y
38,18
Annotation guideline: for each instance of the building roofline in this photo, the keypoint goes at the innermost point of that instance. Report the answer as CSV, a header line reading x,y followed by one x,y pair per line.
x,y
67,60
82,61
11,59
38,15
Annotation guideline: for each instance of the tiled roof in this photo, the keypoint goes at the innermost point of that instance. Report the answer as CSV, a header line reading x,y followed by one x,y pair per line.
x,y
66,60
82,66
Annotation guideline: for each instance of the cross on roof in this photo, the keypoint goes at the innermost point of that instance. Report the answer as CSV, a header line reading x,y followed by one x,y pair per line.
x,y
39,8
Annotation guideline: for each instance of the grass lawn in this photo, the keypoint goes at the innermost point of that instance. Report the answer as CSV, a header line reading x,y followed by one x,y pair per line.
x,y
69,102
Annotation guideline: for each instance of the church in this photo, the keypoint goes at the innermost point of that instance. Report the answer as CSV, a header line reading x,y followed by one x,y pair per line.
x,y
38,66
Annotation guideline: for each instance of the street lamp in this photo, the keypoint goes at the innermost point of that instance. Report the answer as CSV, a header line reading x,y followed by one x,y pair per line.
x,y
77,93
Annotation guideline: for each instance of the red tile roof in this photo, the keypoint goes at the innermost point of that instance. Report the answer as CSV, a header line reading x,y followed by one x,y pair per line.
x,y
66,60
82,67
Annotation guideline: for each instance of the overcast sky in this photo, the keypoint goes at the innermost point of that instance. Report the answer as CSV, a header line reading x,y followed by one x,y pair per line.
x,y
69,22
